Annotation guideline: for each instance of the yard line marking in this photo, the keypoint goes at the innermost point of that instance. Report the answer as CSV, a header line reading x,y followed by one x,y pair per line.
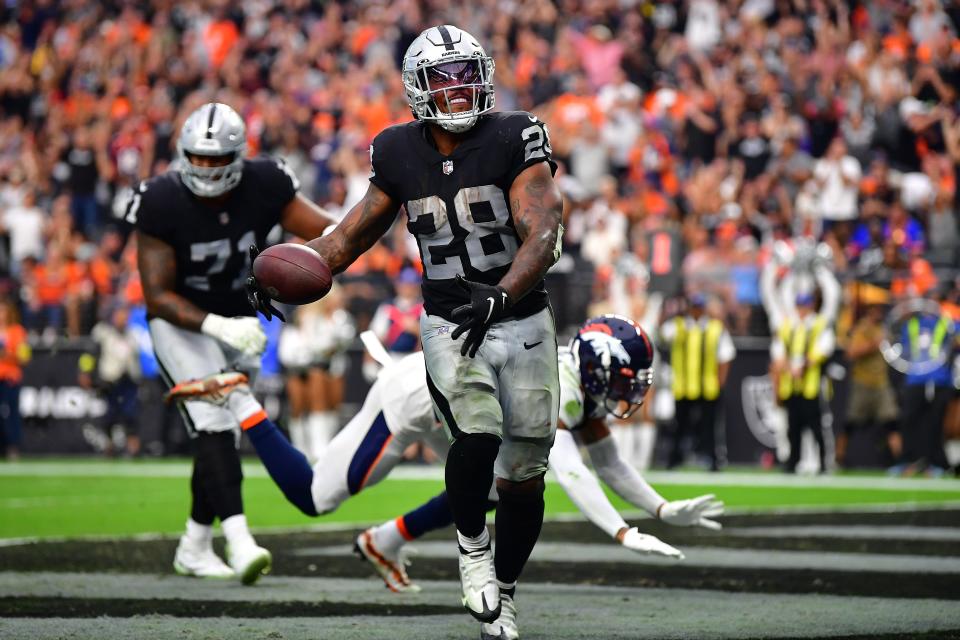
x,y
571,516
852,532
252,468
714,557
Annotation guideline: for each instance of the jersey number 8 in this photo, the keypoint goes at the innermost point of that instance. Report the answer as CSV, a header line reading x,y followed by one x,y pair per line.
x,y
480,234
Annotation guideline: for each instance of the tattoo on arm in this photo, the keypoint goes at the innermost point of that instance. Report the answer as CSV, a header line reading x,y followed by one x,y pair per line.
x,y
366,222
537,209
157,264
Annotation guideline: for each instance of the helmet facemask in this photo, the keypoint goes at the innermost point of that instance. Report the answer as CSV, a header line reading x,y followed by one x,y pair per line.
x,y
212,181
214,130
626,391
431,86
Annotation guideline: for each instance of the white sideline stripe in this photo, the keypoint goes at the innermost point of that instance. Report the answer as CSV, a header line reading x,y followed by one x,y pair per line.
x,y
698,556
571,516
850,532
252,468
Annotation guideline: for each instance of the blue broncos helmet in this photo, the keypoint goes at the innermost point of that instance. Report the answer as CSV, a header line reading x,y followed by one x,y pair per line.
x,y
615,359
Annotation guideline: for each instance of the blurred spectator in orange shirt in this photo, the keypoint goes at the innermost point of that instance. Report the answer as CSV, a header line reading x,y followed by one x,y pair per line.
x,y
14,353
219,37
54,291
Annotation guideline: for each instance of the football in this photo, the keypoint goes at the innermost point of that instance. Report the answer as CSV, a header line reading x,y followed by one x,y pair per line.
x,y
292,273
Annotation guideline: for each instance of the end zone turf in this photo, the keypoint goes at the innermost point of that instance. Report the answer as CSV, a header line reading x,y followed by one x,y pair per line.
x,y
77,498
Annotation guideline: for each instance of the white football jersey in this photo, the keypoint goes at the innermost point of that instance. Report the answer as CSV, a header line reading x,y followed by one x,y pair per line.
x,y
404,395
575,406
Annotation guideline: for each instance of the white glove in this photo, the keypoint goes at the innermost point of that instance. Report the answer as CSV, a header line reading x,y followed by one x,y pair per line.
x,y
243,334
695,511
649,545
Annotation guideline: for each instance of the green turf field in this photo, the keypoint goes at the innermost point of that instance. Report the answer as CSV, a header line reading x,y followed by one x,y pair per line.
x,y
72,498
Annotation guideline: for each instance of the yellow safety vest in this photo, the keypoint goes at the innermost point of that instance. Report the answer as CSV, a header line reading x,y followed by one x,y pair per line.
x,y
800,341
936,340
693,357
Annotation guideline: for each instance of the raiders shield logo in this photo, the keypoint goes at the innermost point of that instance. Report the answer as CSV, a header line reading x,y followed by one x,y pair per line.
x,y
760,409
447,167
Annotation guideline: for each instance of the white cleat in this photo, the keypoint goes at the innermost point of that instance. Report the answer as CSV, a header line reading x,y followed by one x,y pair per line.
x,y
389,563
478,581
213,389
193,560
504,627
249,562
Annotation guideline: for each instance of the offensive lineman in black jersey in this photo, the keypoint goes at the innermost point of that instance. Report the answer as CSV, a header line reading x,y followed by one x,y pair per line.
x,y
480,198
195,225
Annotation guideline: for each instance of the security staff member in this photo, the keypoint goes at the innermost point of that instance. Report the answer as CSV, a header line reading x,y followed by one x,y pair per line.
x,y
701,350
927,393
798,352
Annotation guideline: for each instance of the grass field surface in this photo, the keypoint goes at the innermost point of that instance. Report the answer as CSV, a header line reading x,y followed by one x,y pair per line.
x,y
63,498
842,557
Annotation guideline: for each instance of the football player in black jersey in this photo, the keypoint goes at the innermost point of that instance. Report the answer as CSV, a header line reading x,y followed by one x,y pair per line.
x,y
195,225
480,198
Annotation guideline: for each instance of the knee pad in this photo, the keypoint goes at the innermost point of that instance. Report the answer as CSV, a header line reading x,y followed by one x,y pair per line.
x,y
329,502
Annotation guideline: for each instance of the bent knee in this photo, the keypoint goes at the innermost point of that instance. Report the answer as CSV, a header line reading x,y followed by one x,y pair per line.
x,y
326,502
529,486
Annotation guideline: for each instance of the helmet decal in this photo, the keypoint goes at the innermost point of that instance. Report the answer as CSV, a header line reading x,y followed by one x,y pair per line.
x,y
606,346
596,326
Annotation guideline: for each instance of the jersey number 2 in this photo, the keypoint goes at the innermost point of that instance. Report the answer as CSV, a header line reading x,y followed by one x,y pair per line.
x,y
485,242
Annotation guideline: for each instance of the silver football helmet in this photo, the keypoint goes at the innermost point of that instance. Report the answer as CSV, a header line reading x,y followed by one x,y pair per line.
x,y
213,130
442,67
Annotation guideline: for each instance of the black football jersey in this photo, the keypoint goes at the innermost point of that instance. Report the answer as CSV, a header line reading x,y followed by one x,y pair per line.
x,y
458,206
211,241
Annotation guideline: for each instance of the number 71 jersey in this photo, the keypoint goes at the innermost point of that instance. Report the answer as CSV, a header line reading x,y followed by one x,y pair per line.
x,y
210,239
458,206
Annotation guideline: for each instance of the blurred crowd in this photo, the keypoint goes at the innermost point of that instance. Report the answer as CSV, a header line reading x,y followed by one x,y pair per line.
x,y
692,135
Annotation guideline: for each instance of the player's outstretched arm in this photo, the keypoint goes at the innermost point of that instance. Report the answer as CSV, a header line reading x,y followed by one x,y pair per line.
x,y
630,485
582,486
537,211
157,264
585,492
363,225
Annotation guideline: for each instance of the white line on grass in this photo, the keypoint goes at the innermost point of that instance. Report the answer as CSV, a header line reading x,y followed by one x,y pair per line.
x,y
253,469
571,516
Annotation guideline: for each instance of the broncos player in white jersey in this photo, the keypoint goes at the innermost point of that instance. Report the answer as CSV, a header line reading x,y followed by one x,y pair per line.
x,y
479,195
605,370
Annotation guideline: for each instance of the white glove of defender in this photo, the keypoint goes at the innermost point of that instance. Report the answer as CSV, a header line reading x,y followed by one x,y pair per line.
x,y
649,545
243,334
695,511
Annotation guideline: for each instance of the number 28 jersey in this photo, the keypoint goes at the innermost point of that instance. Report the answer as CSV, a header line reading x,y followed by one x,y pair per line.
x,y
211,240
458,206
